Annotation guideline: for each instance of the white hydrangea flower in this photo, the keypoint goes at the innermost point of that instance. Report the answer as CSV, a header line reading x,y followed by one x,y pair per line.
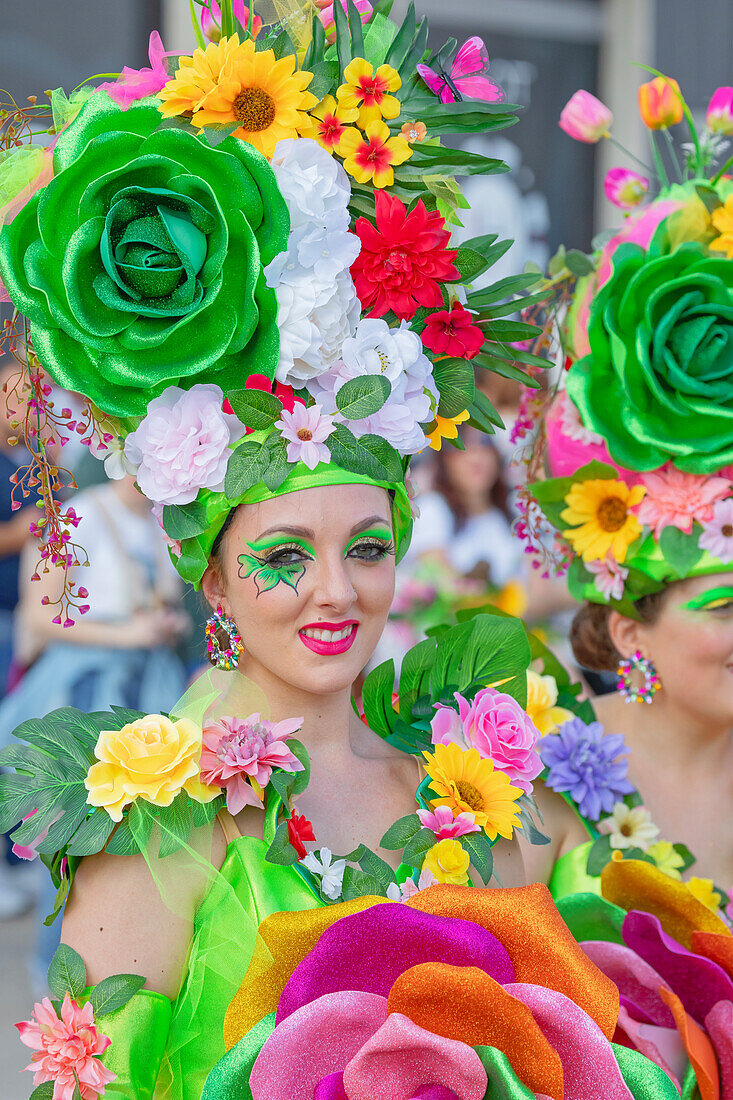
x,y
312,182
329,870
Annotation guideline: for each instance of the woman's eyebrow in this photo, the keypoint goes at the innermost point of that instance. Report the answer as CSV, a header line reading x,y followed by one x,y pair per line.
x,y
304,532
368,522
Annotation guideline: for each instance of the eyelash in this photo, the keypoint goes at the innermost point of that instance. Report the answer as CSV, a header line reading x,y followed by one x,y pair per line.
x,y
275,558
383,549
727,606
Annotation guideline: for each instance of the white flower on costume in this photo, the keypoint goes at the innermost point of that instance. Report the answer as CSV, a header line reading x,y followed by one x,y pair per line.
x,y
397,354
329,870
312,182
116,466
629,827
306,429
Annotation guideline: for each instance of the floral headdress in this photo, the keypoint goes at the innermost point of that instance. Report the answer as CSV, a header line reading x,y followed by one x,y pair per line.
x,y
241,260
638,435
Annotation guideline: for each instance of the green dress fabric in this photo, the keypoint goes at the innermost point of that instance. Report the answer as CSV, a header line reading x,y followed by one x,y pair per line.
x,y
569,875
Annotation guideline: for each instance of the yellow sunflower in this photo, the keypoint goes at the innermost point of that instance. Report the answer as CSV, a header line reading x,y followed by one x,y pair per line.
x,y
469,783
600,518
230,81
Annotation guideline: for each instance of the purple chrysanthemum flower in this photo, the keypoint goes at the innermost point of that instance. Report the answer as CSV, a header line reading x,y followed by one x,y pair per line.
x,y
587,762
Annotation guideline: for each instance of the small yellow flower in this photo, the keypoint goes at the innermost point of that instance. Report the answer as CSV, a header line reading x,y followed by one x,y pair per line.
x,y
368,92
704,890
666,858
512,599
469,783
448,862
152,758
414,131
371,156
600,517
331,123
541,700
723,221
446,427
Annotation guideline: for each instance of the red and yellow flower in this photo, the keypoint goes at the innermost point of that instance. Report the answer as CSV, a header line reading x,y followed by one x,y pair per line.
x,y
331,123
372,156
369,92
660,103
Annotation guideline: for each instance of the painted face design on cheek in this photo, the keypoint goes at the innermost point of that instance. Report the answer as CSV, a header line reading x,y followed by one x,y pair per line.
x,y
274,562
715,599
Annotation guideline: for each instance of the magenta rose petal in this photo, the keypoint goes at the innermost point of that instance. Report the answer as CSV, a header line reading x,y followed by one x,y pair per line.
x,y
402,1061
719,1026
698,982
370,949
638,982
590,1070
331,1088
314,1043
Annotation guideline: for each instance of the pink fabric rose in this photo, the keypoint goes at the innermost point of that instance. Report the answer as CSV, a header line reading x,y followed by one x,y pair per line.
x,y
238,750
496,726
66,1049
182,444
585,118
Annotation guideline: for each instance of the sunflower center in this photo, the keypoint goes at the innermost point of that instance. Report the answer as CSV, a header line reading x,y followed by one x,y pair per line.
x,y
727,530
305,434
470,795
612,514
255,109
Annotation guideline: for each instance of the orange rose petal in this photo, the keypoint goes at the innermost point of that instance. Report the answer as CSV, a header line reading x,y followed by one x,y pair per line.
x,y
699,1049
464,1003
283,941
716,947
524,919
636,884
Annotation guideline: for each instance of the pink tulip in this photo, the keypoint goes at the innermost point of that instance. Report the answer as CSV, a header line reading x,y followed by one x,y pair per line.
x,y
625,188
585,118
719,116
211,18
328,19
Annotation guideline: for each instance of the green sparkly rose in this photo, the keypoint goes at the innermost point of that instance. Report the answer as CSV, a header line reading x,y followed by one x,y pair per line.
x,y
139,266
656,384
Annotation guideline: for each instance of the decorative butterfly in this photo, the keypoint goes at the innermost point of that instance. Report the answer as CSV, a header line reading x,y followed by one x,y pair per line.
x,y
266,577
467,78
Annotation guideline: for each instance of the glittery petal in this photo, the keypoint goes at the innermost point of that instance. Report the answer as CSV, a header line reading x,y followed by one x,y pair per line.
x,y
716,947
319,1040
660,1045
369,950
466,1004
590,1071
539,944
636,979
698,1046
401,1058
719,1025
698,982
331,1088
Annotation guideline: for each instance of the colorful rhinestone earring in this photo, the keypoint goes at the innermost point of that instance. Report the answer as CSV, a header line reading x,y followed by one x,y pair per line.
x,y
224,657
645,667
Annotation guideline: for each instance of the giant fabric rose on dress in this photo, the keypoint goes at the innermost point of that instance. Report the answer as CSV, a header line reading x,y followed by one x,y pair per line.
x,y
140,264
456,994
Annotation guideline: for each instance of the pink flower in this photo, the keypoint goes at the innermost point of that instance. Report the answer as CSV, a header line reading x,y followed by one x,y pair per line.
x,y
182,444
676,499
719,116
625,188
66,1049
610,577
306,429
328,19
585,118
717,536
447,727
236,750
134,84
30,850
211,18
403,891
496,726
445,826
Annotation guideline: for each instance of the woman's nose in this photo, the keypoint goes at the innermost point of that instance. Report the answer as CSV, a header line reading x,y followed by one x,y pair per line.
x,y
334,588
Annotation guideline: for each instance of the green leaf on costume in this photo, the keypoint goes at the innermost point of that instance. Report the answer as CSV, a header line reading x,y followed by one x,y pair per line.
x,y
355,29
358,884
509,330
578,263
281,851
415,676
204,812
356,455
377,699
185,521
245,468
377,868
114,992
92,835
278,466
216,132
478,847
417,848
257,409
399,834
343,39
67,973
43,1091
61,831
687,856
484,650
316,46
504,288
470,263
363,396
134,831
483,415
505,368
455,380
174,823
599,855
681,551
397,52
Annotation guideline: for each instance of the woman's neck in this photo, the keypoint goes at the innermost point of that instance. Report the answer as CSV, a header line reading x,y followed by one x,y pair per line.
x,y
673,736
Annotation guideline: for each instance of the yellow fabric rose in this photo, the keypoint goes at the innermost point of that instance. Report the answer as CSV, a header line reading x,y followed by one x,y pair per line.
x,y
448,862
704,890
541,699
152,758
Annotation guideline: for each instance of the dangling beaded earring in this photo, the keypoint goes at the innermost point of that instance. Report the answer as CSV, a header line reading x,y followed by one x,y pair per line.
x,y
626,688
224,658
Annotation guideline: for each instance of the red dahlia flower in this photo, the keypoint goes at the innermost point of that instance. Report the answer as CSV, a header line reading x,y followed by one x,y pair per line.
x,y
403,259
452,332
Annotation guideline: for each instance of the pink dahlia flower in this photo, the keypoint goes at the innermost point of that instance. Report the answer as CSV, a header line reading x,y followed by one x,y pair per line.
x,y
676,499
66,1050
585,118
445,826
238,750
305,430
496,726
717,536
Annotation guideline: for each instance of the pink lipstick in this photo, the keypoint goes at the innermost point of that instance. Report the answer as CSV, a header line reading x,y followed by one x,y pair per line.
x,y
328,639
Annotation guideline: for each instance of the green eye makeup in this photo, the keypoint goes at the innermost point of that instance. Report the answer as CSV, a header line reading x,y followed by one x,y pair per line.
x,y
371,537
708,601
269,566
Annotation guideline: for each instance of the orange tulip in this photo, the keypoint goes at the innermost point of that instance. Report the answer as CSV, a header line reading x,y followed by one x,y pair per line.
x,y
660,103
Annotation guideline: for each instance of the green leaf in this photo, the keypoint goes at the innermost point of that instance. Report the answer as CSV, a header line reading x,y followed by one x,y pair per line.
x,y
470,264
302,779
377,699
478,847
67,973
358,884
61,831
681,551
399,834
456,384
245,468
281,850
506,370
364,396
204,812
174,822
385,454
185,521
508,330
687,856
355,29
316,46
482,413
114,992
482,651
415,53
377,868
216,133
92,835
43,1091
415,675
397,52
134,832
27,758
278,466
352,454
578,263
599,855
417,847
428,158
343,38
256,408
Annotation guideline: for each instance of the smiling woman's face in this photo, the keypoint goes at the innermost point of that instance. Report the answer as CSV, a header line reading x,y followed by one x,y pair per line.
x,y
308,578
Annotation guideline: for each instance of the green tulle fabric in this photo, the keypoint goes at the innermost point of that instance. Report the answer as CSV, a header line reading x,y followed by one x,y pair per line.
x,y
140,264
656,384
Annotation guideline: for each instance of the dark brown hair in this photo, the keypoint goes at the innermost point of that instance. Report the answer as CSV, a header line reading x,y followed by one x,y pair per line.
x,y
497,496
590,637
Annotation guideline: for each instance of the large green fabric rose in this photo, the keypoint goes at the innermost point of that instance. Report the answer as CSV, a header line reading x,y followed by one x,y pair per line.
x,y
656,384
140,264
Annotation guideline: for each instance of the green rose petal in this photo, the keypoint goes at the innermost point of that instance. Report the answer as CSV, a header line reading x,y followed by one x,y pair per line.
x,y
140,264
656,384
